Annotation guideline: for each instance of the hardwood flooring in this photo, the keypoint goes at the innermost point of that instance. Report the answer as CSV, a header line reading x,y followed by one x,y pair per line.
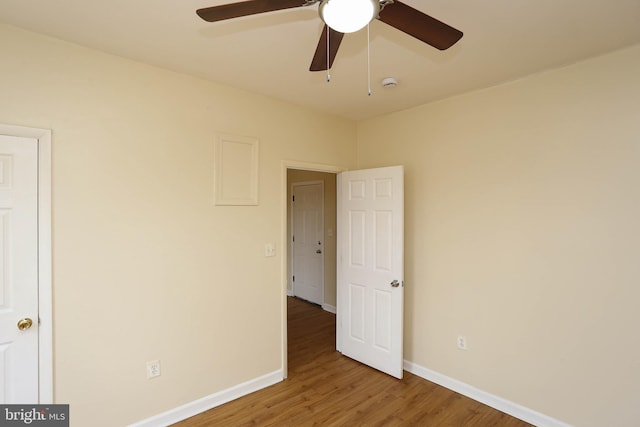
x,y
325,388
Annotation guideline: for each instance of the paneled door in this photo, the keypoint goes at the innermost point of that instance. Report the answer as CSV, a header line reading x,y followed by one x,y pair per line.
x,y
307,229
18,270
371,267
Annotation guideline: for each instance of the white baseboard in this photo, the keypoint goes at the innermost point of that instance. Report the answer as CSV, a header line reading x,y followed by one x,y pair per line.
x,y
197,406
503,405
329,308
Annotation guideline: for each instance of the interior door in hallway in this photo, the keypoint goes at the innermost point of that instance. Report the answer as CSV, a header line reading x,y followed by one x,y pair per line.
x,y
371,267
18,270
307,225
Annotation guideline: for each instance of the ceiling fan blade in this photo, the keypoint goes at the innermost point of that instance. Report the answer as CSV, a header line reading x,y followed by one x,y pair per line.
x,y
319,62
251,7
419,25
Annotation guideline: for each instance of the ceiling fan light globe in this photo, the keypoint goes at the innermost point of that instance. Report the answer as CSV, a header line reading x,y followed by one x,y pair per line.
x,y
348,16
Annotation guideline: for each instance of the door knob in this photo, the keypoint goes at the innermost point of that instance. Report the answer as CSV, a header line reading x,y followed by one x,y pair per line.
x,y
24,324
395,284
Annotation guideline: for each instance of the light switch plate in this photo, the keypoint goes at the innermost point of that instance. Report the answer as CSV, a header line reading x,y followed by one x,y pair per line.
x,y
269,250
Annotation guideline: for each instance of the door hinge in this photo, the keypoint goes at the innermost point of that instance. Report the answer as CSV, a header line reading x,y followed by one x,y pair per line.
x,y
294,278
293,198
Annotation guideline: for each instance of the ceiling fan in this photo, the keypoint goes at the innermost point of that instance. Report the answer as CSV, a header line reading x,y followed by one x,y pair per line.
x,y
391,12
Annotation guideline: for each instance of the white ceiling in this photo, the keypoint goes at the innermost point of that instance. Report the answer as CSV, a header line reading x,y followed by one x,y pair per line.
x,y
271,53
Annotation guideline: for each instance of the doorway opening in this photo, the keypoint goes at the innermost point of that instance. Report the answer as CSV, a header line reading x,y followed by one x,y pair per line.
x,y
371,290
307,177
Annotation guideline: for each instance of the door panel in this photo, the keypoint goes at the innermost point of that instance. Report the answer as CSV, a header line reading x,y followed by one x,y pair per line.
x,y
382,319
370,259
383,238
18,269
357,312
357,246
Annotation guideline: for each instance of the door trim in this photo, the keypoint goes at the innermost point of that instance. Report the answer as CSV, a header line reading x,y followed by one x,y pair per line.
x,y
291,164
45,297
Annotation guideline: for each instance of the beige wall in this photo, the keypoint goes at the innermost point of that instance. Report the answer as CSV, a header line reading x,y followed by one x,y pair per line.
x,y
144,265
522,233
521,217
329,180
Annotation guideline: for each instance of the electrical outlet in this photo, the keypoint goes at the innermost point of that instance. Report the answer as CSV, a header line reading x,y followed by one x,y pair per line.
x,y
462,342
153,369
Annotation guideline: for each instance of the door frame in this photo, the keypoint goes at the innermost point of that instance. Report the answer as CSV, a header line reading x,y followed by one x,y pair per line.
x,y
291,245
292,164
45,297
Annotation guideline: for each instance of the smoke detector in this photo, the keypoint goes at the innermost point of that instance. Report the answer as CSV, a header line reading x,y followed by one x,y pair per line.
x,y
389,82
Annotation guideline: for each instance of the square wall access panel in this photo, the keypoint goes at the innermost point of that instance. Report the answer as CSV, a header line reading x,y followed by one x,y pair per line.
x,y
236,170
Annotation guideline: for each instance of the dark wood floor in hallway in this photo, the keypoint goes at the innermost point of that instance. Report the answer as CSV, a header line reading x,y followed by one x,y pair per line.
x,y
325,388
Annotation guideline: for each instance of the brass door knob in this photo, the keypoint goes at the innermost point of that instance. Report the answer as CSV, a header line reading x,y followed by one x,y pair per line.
x,y
24,324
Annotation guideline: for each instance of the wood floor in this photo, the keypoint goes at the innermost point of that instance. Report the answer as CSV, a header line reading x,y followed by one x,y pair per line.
x,y
325,388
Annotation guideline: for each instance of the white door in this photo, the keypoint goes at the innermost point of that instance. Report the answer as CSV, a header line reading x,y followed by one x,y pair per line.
x,y
18,270
307,234
371,267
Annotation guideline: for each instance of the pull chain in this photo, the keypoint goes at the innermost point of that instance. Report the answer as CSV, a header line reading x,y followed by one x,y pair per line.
x,y
328,74
369,59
